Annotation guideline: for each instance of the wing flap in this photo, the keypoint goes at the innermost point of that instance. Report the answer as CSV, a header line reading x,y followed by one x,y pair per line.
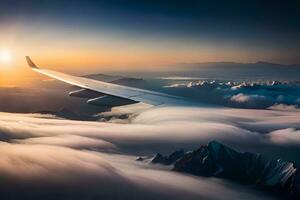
x,y
110,101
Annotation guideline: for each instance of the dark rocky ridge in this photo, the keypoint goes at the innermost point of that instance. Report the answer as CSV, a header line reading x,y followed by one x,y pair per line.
x,y
218,160
168,160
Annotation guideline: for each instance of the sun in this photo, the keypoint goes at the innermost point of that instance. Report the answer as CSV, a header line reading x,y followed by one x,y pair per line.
x,y
5,56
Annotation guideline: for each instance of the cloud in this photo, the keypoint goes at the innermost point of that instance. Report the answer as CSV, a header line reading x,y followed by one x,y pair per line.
x,y
283,107
72,141
54,172
287,136
57,158
242,98
30,161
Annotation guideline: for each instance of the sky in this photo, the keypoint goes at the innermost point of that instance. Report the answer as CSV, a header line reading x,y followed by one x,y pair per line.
x,y
82,36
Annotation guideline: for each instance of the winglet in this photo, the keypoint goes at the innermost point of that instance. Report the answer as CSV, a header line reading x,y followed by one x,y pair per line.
x,y
30,63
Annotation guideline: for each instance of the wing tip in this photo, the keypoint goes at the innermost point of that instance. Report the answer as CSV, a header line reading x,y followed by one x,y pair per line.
x,y
30,63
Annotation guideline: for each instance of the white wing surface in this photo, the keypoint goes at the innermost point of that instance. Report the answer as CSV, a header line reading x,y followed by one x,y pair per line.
x,y
109,92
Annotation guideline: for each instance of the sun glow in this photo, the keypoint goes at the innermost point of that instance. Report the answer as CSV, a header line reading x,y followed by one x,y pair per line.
x,y
5,56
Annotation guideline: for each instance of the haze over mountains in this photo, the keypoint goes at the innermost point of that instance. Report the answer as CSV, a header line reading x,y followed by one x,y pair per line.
x,y
241,71
237,64
260,70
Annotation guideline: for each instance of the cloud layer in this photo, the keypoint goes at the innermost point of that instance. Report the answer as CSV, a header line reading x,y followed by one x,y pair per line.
x,y
49,158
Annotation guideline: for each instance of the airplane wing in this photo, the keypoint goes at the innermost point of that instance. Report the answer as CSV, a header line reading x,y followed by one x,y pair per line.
x,y
107,94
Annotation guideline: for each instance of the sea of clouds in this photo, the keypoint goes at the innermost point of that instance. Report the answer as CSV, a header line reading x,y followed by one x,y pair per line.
x,y
45,157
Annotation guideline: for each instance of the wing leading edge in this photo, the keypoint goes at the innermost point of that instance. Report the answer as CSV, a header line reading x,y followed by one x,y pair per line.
x,y
118,91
